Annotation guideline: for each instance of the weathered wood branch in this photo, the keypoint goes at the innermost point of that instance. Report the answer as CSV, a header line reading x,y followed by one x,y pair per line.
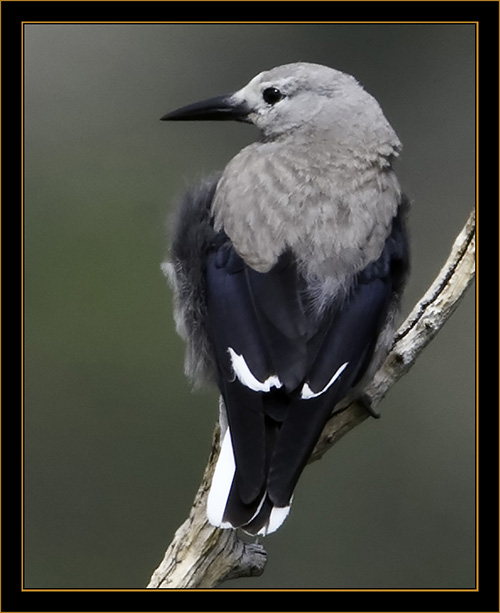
x,y
201,556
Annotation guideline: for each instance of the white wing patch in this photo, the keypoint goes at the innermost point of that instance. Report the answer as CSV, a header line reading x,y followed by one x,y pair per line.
x,y
277,517
307,393
245,375
221,483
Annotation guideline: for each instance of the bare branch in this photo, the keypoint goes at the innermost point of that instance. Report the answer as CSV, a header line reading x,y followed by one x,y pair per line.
x,y
201,556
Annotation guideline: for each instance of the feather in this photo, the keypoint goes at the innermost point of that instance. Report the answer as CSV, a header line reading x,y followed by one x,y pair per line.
x,y
282,363
287,273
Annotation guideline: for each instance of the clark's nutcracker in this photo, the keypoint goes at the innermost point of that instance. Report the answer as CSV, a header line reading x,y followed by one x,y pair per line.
x,y
287,272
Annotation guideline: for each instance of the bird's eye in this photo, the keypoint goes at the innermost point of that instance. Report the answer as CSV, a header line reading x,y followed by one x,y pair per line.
x,y
272,95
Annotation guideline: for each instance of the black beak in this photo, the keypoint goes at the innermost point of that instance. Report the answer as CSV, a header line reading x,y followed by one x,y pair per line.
x,y
219,108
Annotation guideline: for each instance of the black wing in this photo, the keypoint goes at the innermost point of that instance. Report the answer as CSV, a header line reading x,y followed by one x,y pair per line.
x,y
282,368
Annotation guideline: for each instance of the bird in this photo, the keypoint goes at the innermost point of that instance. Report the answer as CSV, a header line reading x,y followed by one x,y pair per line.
x,y
287,271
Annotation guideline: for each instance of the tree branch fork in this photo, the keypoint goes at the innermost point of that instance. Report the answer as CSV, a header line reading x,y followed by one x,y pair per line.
x,y
202,556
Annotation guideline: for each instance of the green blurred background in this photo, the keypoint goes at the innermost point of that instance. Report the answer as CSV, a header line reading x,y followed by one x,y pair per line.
x,y
115,439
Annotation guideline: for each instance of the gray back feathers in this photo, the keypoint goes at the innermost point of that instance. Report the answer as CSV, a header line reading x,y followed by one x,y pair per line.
x,y
325,159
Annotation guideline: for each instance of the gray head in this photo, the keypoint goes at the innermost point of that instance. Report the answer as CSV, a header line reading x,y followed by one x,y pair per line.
x,y
302,98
